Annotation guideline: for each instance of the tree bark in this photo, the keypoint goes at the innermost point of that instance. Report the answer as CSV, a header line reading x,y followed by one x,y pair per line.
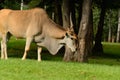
x,y
66,13
98,49
84,33
118,30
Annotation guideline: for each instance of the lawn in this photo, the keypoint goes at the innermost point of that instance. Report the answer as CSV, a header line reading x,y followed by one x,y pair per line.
x,y
53,68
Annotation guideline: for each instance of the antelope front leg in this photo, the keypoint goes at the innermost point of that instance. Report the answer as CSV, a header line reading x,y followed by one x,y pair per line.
x,y
4,47
27,47
2,53
39,53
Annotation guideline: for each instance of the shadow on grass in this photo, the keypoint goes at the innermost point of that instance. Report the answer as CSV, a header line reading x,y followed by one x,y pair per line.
x,y
105,59
16,50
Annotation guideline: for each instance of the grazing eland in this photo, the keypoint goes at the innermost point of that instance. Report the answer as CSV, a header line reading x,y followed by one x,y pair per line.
x,y
34,25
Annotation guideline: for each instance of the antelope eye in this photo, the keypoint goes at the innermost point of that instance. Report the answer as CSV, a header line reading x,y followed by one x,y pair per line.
x,y
72,38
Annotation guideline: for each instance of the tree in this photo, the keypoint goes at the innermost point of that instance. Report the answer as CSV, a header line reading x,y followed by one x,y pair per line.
x,y
98,38
73,15
110,25
14,4
1,1
34,3
118,30
84,32
58,12
79,14
110,29
104,5
21,6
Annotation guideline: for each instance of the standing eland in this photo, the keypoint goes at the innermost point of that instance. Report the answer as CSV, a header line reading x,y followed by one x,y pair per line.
x,y
34,25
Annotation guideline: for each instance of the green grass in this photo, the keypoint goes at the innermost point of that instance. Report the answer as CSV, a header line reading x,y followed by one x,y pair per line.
x,y
15,69
53,68
112,49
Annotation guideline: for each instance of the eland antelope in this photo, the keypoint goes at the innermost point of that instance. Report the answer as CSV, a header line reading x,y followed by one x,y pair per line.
x,y
34,25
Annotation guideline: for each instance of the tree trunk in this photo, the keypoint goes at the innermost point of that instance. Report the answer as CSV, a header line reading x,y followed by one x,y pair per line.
x,y
113,38
110,28
98,49
84,33
79,15
73,12
66,23
118,30
66,13
90,34
110,34
58,12
21,6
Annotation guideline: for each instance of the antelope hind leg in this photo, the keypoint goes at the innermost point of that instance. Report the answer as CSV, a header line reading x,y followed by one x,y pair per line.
x,y
27,47
39,53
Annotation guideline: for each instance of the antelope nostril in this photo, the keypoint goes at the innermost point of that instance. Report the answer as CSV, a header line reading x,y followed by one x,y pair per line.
x,y
76,49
